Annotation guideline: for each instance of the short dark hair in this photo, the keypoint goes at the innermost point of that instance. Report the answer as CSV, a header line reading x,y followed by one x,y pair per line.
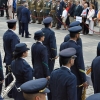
x,y
37,38
18,55
11,25
47,25
63,60
72,35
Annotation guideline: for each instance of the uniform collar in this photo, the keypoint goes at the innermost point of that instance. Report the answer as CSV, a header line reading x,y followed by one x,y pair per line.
x,y
66,67
73,40
11,30
40,42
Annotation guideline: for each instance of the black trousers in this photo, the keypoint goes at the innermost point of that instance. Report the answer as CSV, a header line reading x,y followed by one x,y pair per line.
x,y
6,8
2,11
20,27
51,65
25,29
0,88
59,20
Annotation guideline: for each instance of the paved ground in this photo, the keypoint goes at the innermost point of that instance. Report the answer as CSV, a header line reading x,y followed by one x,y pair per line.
x,y
89,44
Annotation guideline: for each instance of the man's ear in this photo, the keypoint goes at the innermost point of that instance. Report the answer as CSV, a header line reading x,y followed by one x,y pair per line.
x,y
37,98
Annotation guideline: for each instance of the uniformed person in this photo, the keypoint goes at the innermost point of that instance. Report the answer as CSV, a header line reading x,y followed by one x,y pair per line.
x,y
52,13
21,69
67,37
46,8
39,10
40,57
19,9
1,74
35,89
10,39
62,81
95,71
50,42
33,10
25,19
95,96
59,10
78,69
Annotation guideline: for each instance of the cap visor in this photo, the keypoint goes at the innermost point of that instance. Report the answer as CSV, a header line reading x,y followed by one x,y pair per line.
x,y
46,90
75,56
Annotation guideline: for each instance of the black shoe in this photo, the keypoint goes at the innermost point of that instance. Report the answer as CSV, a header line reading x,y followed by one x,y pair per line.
x,y
22,35
33,22
27,37
38,23
29,34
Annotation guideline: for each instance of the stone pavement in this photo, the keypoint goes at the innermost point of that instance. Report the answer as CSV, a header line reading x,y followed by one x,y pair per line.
x,y
89,44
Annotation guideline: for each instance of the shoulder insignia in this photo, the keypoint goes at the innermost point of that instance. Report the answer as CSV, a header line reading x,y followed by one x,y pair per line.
x,y
81,70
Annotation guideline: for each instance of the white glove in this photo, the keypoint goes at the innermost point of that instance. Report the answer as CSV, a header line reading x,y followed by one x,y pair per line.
x,y
41,10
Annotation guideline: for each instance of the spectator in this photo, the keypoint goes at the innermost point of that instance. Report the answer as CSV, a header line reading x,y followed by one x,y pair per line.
x,y
10,3
67,9
71,11
84,17
96,6
98,18
78,9
64,17
1,8
90,16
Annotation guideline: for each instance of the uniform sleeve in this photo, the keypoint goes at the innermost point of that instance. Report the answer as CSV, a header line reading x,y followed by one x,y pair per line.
x,y
80,63
71,86
32,56
28,72
53,45
92,73
28,15
1,70
15,40
45,62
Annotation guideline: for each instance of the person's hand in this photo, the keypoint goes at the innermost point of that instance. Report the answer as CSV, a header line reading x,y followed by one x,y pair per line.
x,y
56,57
85,85
48,77
1,81
74,17
68,14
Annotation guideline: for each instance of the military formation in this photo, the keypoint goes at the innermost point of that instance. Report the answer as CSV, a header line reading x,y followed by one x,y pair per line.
x,y
68,82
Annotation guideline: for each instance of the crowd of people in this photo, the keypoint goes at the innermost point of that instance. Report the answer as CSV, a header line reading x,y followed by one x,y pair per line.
x,y
66,83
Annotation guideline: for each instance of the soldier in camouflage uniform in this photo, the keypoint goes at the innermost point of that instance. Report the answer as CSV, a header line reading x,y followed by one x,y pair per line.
x,y
39,10
33,10
46,8
53,12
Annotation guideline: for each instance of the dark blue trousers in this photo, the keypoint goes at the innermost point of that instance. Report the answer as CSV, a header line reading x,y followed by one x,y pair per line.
x,y
20,27
51,65
59,20
25,29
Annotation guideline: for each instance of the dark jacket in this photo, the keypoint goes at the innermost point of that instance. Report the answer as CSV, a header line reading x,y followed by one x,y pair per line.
x,y
63,85
40,60
1,69
10,39
78,11
50,42
59,10
95,71
95,74
78,68
23,73
67,38
71,10
25,15
19,9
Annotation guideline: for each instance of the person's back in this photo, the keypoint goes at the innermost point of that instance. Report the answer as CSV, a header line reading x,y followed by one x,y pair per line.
x,y
62,82
9,38
25,15
95,74
19,68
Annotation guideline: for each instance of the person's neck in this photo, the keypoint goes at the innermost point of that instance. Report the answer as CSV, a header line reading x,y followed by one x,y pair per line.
x,y
39,41
68,65
74,39
12,29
